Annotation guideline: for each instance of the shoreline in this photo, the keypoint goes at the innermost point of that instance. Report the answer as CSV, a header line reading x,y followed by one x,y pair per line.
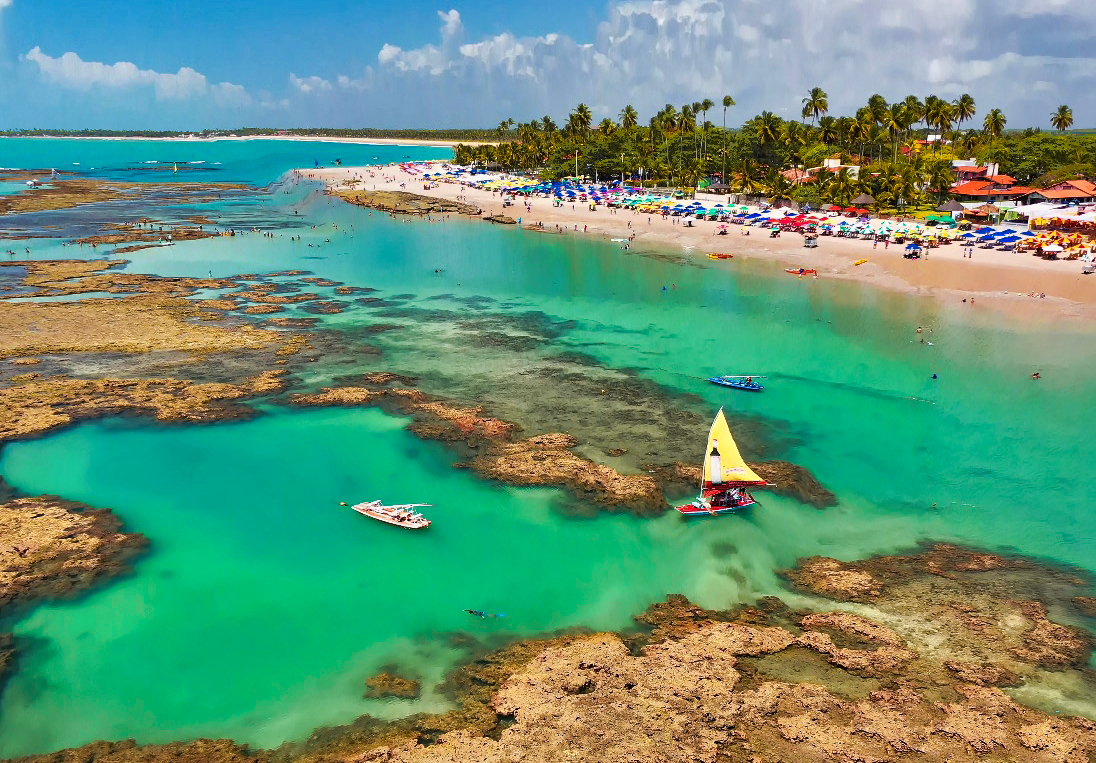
x,y
1001,280
297,138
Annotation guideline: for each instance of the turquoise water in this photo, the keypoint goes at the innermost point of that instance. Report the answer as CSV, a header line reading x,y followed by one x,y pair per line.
x,y
255,162
263,605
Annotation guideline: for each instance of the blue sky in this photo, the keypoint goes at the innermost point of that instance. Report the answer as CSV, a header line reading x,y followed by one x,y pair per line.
x,y
188,65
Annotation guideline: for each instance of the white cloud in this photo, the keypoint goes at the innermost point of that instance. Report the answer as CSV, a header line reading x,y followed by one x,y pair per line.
x,y
73,72
5,4
309,84
766,53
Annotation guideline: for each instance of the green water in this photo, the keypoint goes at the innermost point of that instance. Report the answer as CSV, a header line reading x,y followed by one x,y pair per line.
x,y
262,605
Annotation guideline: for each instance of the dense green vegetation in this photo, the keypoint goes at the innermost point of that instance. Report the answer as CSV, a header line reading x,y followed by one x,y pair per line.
x,y
682,147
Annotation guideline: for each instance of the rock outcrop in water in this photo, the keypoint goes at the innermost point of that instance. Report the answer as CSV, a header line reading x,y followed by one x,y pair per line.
x,y
50,548
390,685
40,405
128,751
762,683
404,203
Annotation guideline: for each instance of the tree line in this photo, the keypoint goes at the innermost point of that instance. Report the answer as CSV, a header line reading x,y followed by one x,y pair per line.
x,y
680,147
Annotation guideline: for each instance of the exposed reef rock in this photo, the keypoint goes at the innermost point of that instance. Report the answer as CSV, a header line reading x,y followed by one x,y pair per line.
x,y
714,686
389,685
38,406
67,192
128,751
700,688
140,237
501,219
51,548
548,460
404,203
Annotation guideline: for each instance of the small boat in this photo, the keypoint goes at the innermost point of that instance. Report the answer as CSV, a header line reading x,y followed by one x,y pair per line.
x,y
859,262
725,476
719,256
738,382
400,514
801,271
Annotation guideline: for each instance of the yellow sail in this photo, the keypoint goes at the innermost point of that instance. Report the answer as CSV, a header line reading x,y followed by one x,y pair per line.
x,y
723,464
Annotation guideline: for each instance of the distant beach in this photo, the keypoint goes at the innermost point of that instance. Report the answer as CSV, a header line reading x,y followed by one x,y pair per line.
x,y
300,138
1004,280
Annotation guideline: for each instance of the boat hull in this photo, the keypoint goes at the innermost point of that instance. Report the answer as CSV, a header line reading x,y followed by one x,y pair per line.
x,y
407,524
747,387
693,511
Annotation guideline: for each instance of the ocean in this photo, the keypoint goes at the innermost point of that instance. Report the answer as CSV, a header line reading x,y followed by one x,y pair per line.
x,y
263,605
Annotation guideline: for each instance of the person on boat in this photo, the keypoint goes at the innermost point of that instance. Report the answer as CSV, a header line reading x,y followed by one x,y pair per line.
x,y
476,612
749,380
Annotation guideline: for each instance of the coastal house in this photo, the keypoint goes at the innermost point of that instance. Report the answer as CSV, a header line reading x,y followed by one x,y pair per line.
x,y
990,189
1066,191
966,170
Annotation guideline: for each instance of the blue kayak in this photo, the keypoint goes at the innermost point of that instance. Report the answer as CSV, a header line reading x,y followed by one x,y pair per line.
x,y
736,383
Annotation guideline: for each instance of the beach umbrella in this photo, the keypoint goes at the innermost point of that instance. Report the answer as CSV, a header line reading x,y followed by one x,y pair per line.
x,y
863,200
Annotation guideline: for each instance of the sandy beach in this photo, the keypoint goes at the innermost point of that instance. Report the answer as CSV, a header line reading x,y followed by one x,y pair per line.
x,y
1003,280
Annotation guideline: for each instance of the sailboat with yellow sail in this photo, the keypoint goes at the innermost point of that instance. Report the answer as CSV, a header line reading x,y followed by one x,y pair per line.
x,y
725,478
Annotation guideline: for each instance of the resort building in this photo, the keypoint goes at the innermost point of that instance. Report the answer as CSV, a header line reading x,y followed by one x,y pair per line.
x,y
1066,191
990,189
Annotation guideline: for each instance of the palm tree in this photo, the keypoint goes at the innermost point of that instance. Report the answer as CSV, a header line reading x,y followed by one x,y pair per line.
x,y
1062,119
549,126
727,103
628,117
768,128
606,127
994,123
964,110
877,107
828,129
581,118
815,104
695,105
704,106
939,177
686,122
504,127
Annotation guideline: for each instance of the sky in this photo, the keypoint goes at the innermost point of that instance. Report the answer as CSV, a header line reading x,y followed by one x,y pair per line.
x,y
146,64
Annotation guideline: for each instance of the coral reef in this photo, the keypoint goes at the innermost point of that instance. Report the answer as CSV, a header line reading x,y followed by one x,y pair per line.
x,y
401,202
41,405
390,685
50,548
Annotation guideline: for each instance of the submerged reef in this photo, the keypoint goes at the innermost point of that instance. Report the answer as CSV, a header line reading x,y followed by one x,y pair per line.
x,y
547,459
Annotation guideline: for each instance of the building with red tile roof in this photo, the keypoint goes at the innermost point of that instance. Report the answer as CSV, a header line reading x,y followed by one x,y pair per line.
x,y
1066,191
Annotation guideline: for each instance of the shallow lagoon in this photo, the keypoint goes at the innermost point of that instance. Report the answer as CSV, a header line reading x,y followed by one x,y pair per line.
x,y
263,605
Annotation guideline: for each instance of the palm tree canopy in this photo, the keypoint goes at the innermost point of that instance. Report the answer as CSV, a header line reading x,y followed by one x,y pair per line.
x,y
994,123
728,102
816,103
1062,119
628,117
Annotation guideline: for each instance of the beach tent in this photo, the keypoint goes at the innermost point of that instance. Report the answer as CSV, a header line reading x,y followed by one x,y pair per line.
x,y
863,200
